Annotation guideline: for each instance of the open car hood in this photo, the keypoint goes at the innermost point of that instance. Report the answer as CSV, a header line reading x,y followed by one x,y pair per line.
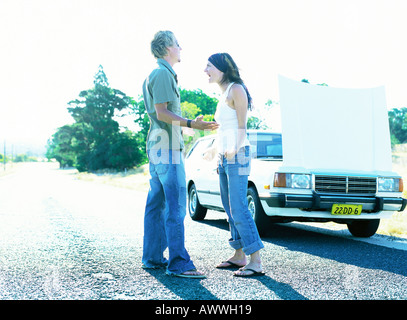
x,y
334,129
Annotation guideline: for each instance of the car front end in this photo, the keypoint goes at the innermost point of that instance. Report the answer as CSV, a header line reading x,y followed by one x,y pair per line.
x,y
332,196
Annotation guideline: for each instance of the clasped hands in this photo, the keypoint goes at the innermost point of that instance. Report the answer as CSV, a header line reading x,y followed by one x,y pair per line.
x,y
199,124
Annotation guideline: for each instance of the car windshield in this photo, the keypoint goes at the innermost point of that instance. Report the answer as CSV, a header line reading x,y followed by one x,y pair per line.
x,y
266,145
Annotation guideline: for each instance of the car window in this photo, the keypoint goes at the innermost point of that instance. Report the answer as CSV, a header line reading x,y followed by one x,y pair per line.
x,y
266,145
200,147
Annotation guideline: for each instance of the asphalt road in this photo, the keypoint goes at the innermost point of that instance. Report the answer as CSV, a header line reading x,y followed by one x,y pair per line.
x,y
62,238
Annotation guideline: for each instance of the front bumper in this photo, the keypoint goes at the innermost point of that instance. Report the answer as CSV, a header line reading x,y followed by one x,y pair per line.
x,y
317,201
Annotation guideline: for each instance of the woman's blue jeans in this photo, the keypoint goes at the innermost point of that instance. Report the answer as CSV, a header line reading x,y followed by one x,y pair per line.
x,y
165,213
233,179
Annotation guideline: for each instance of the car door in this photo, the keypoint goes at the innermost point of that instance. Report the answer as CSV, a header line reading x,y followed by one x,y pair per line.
x,y
208,189
206,177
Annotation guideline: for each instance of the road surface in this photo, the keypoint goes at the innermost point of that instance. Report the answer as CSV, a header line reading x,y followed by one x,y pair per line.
x,y
63,238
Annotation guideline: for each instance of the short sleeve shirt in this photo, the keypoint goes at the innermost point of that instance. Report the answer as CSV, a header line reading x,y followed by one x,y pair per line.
x,y
160,87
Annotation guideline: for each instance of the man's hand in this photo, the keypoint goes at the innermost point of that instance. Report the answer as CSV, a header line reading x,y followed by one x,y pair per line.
x,y
199,124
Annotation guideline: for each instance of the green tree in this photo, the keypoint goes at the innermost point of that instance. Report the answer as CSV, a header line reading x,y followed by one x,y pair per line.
x,y
256,123
126,151
205,103
60,146
138,110
193,104
398,125
208,117
24,158
95,140
96,108
189,110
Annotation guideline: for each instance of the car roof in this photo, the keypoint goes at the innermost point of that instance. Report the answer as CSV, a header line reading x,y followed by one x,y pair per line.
x,y
262,131
249,131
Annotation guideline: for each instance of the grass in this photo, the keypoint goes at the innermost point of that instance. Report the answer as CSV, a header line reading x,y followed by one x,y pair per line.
x,y
11,167
396,226
135,179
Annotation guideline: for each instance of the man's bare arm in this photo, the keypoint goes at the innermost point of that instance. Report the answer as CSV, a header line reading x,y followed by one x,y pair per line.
x,y
165,115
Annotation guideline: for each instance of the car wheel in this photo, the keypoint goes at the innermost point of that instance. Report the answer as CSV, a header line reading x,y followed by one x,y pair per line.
x,y
259,216
363,228
196,211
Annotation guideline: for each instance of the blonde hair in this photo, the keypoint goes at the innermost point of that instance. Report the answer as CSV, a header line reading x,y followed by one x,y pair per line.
x,y
162,40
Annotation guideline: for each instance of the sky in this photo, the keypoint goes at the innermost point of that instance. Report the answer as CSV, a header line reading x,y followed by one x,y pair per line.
x,y
51,50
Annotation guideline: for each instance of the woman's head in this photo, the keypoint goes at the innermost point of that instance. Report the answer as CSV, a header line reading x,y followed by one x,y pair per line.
x,y
222,69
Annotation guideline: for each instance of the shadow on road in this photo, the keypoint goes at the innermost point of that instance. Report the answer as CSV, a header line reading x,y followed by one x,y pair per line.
x,y
218,223
192,289
344,250
357,253
186,289
283,290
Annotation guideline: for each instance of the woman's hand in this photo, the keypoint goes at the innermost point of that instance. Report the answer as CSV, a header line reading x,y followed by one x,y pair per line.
x,y
230,154
209,153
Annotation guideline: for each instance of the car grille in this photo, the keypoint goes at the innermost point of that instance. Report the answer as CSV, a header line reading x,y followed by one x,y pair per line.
x,y
345,184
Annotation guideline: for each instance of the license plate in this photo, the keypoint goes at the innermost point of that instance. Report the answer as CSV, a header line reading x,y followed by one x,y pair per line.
x,y
346,209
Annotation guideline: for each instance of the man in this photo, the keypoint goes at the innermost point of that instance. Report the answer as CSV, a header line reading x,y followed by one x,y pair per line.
x,y
166,201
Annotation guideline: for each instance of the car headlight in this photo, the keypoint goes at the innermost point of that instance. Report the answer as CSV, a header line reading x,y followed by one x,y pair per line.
x,y
292,180
390,184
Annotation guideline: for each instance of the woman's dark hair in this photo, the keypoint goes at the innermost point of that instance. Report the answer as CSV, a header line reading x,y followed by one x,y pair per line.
x,y
225,63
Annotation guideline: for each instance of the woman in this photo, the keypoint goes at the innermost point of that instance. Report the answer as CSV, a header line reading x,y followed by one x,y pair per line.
x,y
234,164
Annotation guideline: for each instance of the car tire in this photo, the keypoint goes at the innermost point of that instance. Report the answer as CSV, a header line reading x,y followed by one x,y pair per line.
x,y
259,216
363,228
196,211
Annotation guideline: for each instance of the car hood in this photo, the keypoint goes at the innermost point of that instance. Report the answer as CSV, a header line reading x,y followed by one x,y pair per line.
x,y
325,128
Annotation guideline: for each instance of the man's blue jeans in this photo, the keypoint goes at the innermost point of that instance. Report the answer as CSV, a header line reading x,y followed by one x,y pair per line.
x,y
165,213
233,179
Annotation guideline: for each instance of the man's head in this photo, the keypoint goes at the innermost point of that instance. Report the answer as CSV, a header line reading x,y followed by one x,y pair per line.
x,y
165,46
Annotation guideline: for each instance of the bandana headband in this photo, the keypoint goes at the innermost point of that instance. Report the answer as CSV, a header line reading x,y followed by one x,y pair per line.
x,y
218,60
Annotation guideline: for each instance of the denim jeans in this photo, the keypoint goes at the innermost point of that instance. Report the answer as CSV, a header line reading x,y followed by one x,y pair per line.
x,y
233,179
165,213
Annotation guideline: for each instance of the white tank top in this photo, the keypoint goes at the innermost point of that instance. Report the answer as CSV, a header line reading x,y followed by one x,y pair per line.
x,y
226,117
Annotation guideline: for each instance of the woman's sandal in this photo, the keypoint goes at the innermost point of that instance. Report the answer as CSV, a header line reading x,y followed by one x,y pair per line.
x,y
231,265
253,273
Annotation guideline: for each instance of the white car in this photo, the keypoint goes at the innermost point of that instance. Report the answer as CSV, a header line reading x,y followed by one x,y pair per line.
x,y
337,162
359,200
